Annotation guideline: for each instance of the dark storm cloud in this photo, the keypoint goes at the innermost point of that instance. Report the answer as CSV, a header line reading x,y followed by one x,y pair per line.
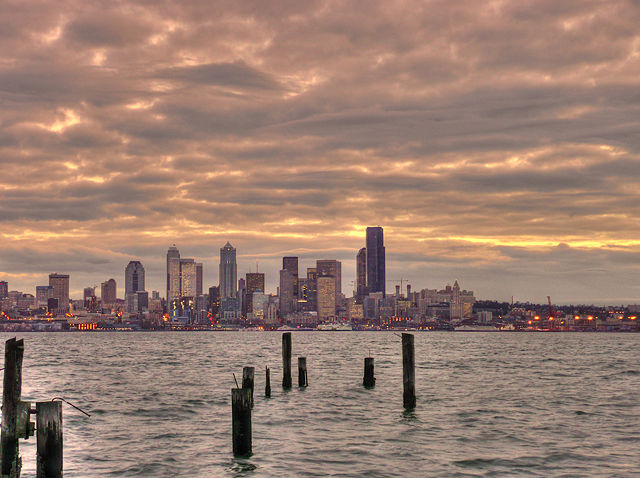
x,y
480,135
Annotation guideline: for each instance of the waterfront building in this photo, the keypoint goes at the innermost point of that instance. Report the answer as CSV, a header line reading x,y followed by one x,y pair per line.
x,y
60,285
376,274
133,278
326,297
43,294
108,292
332,268
228,272
254,283
173,274
361,275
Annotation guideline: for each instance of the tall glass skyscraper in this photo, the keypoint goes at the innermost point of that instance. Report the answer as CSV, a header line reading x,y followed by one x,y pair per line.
x,y
375,261
173,273
133,278
228,272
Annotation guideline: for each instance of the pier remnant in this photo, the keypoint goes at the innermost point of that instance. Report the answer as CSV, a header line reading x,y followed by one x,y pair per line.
x,y
49,439
267,387
302,372
241,421
286,360
13,354
408,371
369,379
248,374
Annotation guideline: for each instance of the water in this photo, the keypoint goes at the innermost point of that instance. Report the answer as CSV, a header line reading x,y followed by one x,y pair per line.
x,y
489,404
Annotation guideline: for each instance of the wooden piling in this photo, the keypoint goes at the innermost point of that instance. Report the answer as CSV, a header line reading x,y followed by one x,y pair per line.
x,y
248,374
267,387
49,439
369,379
13,354
286,360
408,371
241,421
302,372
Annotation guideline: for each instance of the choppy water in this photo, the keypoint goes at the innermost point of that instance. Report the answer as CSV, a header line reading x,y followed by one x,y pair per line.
x,y
489,404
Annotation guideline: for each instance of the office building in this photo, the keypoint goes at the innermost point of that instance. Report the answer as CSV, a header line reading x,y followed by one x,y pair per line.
x,y
228,272
361,275
375,260
188,277
331,268
199,274
133,278
43,294
254,283
326,297
173,274
108,292
60,285
4,289
287,296
291,264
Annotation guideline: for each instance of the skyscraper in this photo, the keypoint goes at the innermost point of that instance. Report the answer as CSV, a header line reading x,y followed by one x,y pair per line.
x,y
333,268
287,297
4,289
133,278
188,277
108,292
255,283
173,274
361,275
375,261
326,297
228,272
311,289
291,264
43,294
60,284
199,281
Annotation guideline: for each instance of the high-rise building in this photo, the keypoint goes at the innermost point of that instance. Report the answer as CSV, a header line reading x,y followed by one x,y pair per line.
x,y
199,281
376,280
214,300
43,294
361,275
326,297
242,297
228,272
188,277
291,264
60,284
311,289
173,274
133,278
4,289
108,292
287,297
254,283
332,268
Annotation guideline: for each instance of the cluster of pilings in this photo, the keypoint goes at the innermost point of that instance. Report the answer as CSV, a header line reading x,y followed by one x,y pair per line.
x,y
242,397
16,422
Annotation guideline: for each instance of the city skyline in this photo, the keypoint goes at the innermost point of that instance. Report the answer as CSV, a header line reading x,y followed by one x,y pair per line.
x,y
496,143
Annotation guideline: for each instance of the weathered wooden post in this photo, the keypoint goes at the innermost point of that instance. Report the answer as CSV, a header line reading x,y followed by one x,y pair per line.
x,y
241,421
49,439
408,371
302,372
267,387
369,379
286,360
13,354
248,374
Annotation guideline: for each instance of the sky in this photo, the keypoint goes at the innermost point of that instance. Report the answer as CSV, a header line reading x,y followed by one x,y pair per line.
x,y
497,142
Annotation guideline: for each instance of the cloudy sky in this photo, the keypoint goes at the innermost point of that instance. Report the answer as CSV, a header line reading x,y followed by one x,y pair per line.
x,y
497,142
